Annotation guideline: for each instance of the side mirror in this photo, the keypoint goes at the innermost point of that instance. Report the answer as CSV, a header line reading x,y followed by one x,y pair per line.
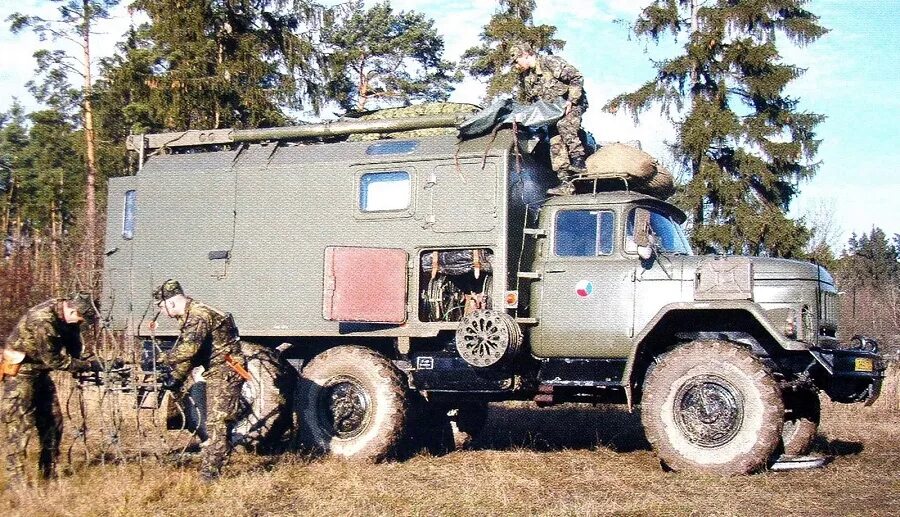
x,y
642,233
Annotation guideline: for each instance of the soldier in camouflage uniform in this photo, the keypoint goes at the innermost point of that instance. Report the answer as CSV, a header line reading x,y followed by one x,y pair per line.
x,y
209,338
551,78
46,338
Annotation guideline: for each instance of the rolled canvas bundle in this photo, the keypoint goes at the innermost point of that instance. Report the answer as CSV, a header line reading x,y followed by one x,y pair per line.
x,y
642,172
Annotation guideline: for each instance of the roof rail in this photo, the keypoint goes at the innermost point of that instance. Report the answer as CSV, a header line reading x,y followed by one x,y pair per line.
x,y
196,138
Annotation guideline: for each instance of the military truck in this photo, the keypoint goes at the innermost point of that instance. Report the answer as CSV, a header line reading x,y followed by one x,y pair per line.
x,y
406,275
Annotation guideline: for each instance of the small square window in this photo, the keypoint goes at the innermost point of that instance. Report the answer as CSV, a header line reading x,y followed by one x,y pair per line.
x,y
384,191
128,218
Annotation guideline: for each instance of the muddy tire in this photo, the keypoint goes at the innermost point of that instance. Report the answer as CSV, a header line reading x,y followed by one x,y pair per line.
x,y
268,416
801,421
712,407
265,415
351,402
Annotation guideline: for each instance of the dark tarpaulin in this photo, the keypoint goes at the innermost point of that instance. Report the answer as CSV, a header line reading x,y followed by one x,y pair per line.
x,y
507,111
457,262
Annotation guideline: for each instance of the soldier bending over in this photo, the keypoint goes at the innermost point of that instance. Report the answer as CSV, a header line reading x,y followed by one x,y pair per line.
x,y
46,338
551,78
209,338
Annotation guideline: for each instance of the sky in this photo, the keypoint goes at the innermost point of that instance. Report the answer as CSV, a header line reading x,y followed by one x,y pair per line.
x,y
852,77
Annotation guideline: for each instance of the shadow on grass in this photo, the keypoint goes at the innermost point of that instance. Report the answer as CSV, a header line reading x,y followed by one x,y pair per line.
x,y
836,447
563,427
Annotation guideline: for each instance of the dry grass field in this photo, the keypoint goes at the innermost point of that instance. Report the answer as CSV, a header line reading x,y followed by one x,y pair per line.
x,y
529,461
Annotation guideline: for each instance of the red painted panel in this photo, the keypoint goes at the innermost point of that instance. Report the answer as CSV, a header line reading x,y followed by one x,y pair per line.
x,y
365,284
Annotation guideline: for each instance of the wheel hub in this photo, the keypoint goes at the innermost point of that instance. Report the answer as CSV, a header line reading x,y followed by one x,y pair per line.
x,y
709,411
344,408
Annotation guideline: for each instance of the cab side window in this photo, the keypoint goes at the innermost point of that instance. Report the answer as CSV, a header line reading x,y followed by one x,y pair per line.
x,y
583,233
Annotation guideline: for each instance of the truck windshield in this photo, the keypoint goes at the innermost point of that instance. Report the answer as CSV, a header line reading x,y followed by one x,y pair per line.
x,y
667,233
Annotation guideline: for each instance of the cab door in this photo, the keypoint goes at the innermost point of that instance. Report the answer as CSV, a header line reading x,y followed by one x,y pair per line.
x,y
584,299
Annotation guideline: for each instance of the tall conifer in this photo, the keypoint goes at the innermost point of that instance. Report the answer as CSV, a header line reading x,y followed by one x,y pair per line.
x,y
743,141
513,22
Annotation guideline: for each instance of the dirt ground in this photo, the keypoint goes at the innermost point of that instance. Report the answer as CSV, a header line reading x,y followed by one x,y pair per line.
x,y
564,460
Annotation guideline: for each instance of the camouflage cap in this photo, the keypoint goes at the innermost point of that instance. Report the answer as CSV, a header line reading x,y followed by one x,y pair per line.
x,y
83,303
168,289
518,48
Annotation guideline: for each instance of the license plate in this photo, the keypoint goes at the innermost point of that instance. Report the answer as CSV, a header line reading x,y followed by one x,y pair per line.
x,y
863,364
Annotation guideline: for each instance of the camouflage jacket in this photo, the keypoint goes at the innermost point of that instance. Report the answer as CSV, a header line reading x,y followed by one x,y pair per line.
x,y
551,78
48,342
207,336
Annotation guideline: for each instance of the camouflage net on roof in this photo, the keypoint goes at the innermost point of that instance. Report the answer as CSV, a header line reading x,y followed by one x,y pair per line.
x,y
416,110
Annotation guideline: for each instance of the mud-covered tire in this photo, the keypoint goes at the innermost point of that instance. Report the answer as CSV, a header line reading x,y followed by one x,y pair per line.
x,y
351,403
712,407
801,421
268,413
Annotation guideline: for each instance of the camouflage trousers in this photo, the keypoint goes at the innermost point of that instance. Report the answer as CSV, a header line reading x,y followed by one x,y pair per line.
x,y
223,408
29,407
566,146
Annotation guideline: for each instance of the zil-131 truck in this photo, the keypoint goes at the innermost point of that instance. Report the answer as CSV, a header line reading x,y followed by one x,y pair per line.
x,y
402,274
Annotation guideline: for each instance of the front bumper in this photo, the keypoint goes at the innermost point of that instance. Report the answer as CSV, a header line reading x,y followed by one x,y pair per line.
x,y
850,375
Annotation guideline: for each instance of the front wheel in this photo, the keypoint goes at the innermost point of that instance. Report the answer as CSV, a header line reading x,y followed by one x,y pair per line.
x,y
712,407
352,403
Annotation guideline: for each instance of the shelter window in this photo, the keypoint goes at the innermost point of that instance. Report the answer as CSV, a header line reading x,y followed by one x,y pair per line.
x,y
584,233
384,191
392,147
128,217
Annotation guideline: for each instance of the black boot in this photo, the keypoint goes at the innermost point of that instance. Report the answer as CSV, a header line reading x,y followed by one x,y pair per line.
x,y
577,165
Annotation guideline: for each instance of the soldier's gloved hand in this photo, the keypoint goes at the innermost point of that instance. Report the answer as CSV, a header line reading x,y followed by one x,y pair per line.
x,y
95,365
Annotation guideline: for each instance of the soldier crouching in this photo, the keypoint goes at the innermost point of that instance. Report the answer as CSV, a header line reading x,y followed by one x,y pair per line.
x,y
209,338
46,338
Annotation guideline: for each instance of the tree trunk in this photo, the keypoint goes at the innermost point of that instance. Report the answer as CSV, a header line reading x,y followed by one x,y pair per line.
x,y
363,88
55,234
90,210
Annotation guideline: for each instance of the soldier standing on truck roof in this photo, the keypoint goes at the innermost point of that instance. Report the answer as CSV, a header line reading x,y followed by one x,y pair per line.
x,y
551,78
209,338
46,338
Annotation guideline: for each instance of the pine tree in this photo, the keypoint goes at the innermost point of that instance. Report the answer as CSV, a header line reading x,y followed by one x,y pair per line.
x,y
744,143
73,24
52,191
513,22
13,140
379,57
213,64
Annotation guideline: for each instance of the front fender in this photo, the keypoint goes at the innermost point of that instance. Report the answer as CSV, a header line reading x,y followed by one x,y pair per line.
x,y
668,317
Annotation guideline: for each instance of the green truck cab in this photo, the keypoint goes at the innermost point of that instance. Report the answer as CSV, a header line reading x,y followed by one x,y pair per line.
x,y
412,279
